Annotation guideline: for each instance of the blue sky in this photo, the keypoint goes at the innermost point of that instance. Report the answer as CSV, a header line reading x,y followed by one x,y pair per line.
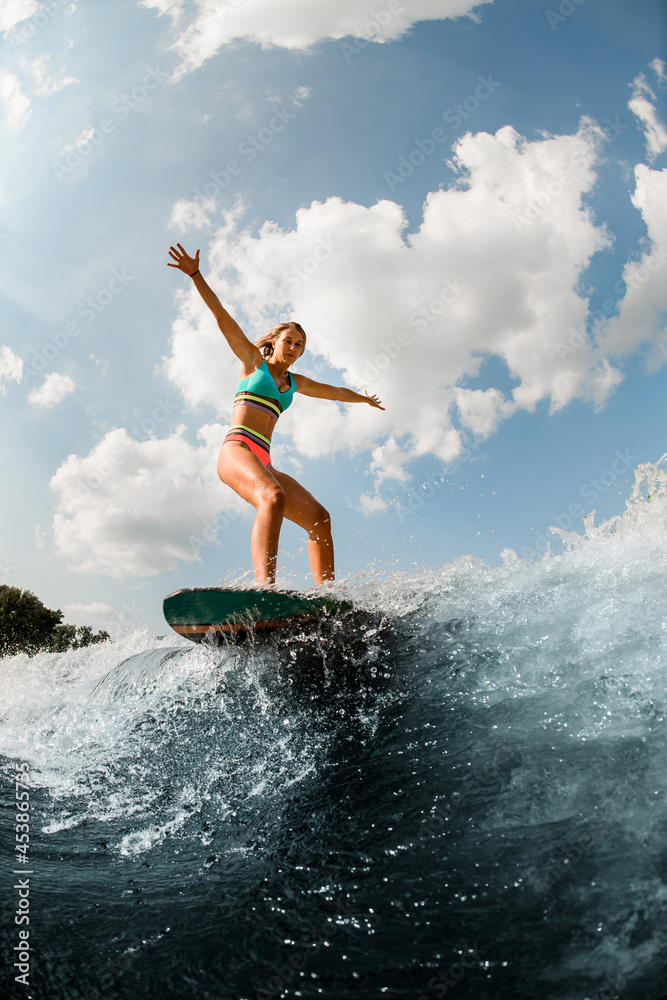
x,y
463,204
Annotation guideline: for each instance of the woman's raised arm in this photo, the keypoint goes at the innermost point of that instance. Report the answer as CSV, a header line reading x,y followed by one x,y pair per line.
x,y
243,348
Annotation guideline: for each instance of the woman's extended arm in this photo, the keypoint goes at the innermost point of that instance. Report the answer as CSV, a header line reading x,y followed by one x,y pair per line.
x,y
320,390
244,350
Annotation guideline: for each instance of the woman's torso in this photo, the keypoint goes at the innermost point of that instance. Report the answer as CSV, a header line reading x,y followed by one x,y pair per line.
x,y
263,398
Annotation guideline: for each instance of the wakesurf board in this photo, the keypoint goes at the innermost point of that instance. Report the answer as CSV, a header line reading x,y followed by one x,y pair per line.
x,y
212,612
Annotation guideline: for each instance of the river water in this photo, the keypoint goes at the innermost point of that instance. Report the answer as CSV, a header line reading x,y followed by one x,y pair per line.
x,y
457,791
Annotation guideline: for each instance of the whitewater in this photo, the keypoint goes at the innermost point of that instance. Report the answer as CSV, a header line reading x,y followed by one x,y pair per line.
x,y
457,791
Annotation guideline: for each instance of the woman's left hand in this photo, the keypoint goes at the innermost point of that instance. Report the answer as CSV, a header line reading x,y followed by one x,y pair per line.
x,y
184,262
373,401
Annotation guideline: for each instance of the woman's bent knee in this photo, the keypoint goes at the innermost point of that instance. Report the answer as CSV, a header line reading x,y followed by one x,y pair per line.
x,y
321,523
272,501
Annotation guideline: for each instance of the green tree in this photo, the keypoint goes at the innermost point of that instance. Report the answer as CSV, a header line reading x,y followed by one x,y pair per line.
x,y
27,626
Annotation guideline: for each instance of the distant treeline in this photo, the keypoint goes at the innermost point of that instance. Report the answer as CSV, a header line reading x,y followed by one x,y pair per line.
x,y
27,626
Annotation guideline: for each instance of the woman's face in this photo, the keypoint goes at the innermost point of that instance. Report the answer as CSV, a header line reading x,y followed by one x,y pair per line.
x,y
288,345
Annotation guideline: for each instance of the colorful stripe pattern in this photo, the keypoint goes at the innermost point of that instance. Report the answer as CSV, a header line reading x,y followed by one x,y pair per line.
x,y
257,443
263,403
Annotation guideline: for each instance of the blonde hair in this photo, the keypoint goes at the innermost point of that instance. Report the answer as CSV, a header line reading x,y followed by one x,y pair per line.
x,y
266,342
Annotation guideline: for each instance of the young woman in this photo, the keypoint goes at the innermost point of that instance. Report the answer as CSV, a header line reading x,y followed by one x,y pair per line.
x,y
264,391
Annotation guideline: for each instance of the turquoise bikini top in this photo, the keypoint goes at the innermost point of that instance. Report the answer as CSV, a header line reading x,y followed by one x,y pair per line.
x,y
260,391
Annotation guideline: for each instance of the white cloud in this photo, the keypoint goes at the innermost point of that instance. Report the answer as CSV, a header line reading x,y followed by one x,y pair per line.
x,y
53,390
137,508
82,138
15,101
95,614
173,8
494,270
641,105
45,84
301,94
479,409
638,321
371,503
11,367
188,215
298,24
14,11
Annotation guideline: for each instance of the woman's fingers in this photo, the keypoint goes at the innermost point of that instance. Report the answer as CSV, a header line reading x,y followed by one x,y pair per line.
x,y
182,259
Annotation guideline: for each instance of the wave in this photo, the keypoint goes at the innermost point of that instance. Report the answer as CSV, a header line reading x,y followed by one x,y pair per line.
x,y
463,784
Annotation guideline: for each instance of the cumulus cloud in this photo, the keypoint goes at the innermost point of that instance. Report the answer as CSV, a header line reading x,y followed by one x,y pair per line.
x,y
11,367
53,390
14,11
16,103
639,321
642,105
188,215
137,508
297,24
493,270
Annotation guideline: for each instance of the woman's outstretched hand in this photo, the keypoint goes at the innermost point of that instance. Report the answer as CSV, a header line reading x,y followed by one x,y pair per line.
x,y
373,401
189,265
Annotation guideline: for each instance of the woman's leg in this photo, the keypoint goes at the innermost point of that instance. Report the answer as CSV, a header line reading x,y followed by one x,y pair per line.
x,y
302,508
247,476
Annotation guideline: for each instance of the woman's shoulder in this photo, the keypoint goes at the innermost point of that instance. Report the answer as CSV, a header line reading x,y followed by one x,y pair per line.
x,y
247,371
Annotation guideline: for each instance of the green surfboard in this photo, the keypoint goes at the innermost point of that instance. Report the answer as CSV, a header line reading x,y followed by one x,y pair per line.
x,y
209,612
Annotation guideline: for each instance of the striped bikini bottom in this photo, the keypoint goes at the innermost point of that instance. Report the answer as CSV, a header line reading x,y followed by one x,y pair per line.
x,y
258,444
